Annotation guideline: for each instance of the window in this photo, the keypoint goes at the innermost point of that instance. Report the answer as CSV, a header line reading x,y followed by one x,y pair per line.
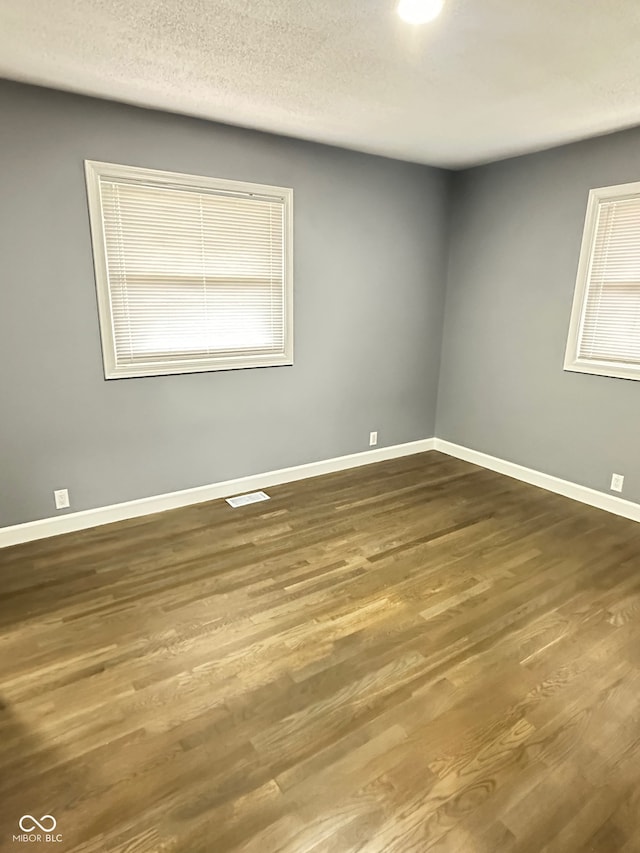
x,y
604,335
192,273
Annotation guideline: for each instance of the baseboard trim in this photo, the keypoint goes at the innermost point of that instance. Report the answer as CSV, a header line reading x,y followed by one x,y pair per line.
x,y
73,521
610,503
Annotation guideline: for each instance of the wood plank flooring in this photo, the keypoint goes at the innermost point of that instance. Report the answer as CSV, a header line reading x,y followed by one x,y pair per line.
x,y
418,655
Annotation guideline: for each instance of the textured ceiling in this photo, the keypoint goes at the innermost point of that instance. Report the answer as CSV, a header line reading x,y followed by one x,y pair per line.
x,y
488,79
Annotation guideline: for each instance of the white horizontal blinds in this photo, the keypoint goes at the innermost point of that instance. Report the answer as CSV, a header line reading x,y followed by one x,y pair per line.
x,y
610,329
192,274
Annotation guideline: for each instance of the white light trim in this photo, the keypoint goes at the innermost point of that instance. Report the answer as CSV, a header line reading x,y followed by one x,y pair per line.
x,y
583,494
84,519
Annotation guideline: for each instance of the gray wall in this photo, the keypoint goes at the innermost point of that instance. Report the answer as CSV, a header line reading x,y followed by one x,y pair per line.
x,y
370,258
371,241
515,241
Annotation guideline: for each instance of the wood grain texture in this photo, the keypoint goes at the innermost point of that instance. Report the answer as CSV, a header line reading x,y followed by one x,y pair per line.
x,y
414,656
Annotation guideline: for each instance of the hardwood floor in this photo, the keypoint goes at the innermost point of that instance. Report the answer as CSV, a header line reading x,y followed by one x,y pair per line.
x,y
418,655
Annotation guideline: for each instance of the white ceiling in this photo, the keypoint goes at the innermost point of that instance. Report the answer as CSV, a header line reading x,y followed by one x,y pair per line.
x,y
488,79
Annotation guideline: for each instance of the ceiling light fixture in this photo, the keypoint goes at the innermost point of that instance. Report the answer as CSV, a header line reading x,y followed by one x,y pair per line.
x,y
419,11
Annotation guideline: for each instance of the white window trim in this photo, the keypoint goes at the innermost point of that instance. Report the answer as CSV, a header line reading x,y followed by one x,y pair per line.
x,y
572,362
95,170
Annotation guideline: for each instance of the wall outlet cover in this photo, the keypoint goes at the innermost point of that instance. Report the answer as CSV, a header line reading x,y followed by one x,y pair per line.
x,y
61,498
617,482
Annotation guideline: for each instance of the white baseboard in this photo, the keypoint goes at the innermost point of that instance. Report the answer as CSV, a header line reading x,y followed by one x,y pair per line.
x,y
601,500
73,521
84,519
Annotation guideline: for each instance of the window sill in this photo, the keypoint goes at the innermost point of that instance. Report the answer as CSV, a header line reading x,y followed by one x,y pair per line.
x,y
614,370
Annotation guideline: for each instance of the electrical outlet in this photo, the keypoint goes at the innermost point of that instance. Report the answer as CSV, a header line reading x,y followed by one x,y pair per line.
x,y
61,497
373,439
617,482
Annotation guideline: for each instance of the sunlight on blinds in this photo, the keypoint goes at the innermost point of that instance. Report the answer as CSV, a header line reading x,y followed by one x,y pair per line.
x,y
192,273
610,327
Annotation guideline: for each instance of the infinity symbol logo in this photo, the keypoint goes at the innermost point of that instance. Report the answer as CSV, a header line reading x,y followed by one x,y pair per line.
x,y
28,823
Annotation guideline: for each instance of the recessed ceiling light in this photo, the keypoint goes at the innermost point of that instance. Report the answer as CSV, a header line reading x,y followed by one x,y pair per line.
x,y
419,11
